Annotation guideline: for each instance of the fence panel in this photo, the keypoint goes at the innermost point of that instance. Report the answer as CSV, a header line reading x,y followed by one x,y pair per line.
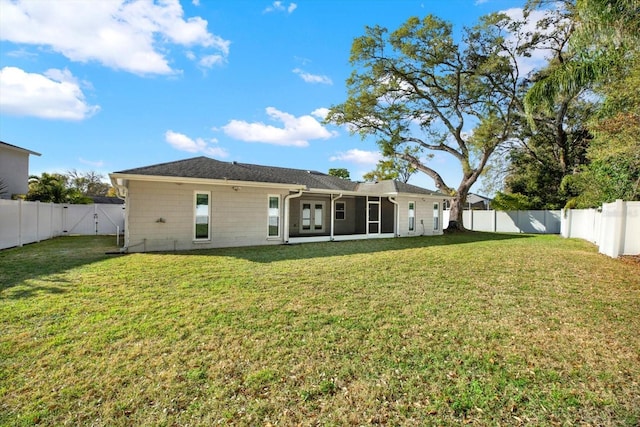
x,y
632,229
23,222
541,222
9,223
507,222
615,227
484,220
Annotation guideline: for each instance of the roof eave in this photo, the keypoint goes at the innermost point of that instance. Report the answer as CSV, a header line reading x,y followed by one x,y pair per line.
x,y
20,149
120,178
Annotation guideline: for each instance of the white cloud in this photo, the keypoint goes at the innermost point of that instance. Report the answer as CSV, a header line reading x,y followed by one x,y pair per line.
x,y
479,2
209,61
279,6
538,58
94,163
360,157
320,113
54,95
297,131
312,78
134,36
182,142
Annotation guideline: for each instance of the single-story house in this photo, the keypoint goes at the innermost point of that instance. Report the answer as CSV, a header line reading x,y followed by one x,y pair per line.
x,y
205,203
14,170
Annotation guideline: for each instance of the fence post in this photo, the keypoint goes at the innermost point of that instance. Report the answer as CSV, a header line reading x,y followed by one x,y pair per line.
x,y
19,222
621,215
495,221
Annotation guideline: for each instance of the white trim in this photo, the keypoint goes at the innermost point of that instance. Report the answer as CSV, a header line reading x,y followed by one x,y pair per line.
x,y
119,178
277,196
379,220
409,229
347,237
195,215
312,216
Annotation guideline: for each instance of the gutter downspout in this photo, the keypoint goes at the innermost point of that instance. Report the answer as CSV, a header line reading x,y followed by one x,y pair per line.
x,y
333,214
121,193
288,197
396,212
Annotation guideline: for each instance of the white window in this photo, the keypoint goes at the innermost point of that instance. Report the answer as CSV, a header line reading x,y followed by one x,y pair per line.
x,y
274,216
436,216
412,216
341,210
202,216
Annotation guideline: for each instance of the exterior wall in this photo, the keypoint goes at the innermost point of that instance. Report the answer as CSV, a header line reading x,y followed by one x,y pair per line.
x,y
160,216
348,225
423,215
14,171
295,217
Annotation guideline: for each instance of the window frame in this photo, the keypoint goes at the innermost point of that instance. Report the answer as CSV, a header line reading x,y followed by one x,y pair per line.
x,y
269,216
197,193
411,214
343,211
436,216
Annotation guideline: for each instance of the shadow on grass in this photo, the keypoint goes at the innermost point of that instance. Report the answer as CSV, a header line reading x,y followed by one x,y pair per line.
x,y
39,267
267,254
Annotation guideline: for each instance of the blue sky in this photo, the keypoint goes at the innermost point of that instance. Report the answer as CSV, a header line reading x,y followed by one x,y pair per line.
x,y
111,85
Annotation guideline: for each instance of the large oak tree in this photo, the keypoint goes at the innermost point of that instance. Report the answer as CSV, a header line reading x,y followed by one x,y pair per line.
x,y
417,87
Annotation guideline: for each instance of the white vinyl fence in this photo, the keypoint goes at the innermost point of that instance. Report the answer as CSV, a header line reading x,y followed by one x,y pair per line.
x,y
615,227
539,222
24,222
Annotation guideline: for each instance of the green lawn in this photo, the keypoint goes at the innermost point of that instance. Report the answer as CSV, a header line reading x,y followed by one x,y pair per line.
x,y
480,328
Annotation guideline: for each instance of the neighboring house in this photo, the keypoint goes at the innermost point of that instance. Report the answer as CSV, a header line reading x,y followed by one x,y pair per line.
x,y
478,202
205,203
14,169
475,202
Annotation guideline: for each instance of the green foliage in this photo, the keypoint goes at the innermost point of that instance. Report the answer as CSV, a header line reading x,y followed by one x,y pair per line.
x,y
580,153
512,202
52,188
74,187
87,183
339,172
416,89
392,168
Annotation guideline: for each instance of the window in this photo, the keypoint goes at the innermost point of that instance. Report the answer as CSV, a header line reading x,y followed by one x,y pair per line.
x,y
202,229
412,216
312,216
274,216
341,210
436,216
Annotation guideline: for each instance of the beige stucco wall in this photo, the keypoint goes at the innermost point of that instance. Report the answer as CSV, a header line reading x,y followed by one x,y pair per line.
x,y
238,218
14,171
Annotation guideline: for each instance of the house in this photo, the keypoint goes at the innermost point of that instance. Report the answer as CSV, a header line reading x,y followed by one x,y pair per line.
x,y
478,202
14,170
474,202
206,203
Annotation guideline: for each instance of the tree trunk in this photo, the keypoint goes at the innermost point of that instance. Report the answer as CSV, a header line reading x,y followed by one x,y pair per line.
x,y
455,215
457,208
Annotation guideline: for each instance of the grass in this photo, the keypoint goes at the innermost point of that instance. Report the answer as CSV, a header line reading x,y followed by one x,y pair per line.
x,y
476,328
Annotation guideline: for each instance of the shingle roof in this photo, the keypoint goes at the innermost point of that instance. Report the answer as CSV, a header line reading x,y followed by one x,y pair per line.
x,y
207,168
